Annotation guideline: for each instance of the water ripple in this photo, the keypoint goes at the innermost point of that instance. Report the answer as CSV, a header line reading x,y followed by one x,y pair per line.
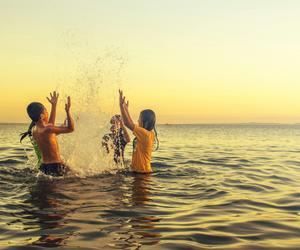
x,y
213,187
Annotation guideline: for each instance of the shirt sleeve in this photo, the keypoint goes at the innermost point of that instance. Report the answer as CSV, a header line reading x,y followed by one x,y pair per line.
x,y
140,133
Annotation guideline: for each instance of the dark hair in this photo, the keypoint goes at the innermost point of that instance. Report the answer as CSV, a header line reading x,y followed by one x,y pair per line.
x,y
115,118
34,111
148,122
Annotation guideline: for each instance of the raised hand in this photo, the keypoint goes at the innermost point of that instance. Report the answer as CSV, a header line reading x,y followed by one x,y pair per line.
x,y
53,98
68,104
124,111
122,100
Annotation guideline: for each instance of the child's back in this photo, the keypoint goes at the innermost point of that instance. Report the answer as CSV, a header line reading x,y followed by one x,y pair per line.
x,y
48,145
142,152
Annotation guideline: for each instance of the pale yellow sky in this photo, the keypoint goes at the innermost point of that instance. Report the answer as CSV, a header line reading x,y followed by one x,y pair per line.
x,y
191,61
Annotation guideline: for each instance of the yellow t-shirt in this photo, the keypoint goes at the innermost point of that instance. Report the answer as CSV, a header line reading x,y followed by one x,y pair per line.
x,y
141,157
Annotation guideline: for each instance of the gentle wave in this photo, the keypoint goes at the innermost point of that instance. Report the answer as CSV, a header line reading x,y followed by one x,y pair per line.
x,y
203,194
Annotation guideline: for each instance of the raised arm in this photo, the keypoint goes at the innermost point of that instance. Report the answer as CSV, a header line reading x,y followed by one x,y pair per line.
x,y
126,135
70,123
124,111
53,100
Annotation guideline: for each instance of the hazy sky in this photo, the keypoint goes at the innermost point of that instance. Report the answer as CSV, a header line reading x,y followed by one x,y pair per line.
x,y
191,61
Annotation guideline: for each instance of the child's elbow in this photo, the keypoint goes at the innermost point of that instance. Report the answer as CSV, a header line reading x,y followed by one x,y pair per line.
x,y
71,129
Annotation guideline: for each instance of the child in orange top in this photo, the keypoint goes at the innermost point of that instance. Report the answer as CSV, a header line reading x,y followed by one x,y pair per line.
x,y
145,133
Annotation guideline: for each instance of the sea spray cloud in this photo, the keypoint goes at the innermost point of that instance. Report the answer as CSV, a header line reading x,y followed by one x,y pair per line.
x,y
94,83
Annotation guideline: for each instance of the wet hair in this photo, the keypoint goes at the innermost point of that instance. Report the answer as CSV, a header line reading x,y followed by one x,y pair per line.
x,y
115,118
34,111
148,122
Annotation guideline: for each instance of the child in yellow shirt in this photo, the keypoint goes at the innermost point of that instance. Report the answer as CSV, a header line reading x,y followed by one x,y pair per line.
x,y
145,133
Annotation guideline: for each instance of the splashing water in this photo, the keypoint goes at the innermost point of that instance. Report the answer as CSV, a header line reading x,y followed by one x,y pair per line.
x,y
93,87
92,79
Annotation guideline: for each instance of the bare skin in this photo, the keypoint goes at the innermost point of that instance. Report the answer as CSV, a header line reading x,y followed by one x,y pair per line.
x,y
45,131
125,112
116,126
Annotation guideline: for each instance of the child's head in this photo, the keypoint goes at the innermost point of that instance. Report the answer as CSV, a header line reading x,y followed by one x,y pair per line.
x,y
115,119
147,119
115,123
37,111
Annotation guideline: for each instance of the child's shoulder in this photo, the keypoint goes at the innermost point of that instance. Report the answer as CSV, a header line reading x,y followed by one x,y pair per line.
x,y
44,129
142,131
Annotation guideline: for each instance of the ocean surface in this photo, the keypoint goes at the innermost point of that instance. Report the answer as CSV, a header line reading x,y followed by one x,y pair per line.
x,y
214,187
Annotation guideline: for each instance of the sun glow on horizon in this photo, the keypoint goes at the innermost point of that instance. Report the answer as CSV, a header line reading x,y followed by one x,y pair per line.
x,y
190,61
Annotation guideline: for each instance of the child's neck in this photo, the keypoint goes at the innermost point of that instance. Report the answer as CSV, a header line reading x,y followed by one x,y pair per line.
x,y
40,123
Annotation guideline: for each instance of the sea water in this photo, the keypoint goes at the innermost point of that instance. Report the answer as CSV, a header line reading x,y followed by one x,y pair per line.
x,y
213,187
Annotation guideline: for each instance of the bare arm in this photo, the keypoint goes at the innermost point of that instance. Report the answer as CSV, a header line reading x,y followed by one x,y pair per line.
x,y
124,111
70,123
53,100
126,135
